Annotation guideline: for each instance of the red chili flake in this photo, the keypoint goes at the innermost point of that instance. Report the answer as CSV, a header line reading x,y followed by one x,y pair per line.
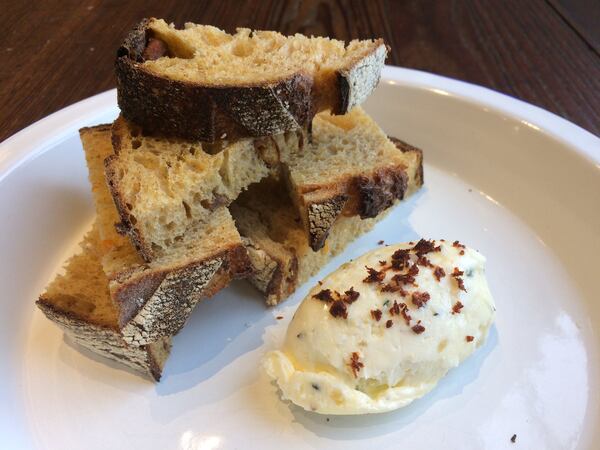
x,y
424,246
420,298
279,317
374,276
457,244
418,328
324,295
382,263
462,252
423,261
457,276
404,312
400,259
389,323
351,295
376,314
513,439
457,272
395,309
380,242
404,278
320,283
355,364
338,309
457,307
469,338
439,273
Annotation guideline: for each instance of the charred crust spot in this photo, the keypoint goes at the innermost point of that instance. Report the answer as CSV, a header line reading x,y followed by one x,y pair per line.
x,y
338,309
419,299
379,191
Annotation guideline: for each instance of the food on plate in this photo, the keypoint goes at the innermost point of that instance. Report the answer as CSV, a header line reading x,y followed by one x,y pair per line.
x,y
382,330
79,302
279,248
154,299
203,83
349,167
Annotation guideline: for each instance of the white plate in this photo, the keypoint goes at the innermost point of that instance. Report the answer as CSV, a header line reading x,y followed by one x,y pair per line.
x,y
518,183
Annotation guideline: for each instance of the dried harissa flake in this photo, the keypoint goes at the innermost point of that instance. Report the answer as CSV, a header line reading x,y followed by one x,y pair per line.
x,y
400,259
324,295
403,278
404,312
350,296
418,328
355,364
423,261
457,307
439,273
457,276
389,323
376,314
469,338
424,246
338,309
380,242
395,309
420,298
279,317
457,244
374,276
382,263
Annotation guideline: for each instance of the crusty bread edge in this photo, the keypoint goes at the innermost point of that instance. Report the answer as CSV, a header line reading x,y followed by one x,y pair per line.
x,y
154,304
208,113
108,342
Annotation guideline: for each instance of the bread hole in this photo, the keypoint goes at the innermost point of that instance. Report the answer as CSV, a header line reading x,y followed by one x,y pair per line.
x,y
132,219
128,206
243,49
135,132
168,242
188,210
136,143
193,150
178,239
204,203
170,226
442,345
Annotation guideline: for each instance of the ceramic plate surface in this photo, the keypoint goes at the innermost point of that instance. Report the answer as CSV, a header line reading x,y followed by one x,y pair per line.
x,y
511,180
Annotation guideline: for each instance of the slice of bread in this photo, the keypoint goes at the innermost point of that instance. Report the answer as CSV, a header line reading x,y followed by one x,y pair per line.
x,y
79,302
277,243
163,186
349,168
203,83
154,299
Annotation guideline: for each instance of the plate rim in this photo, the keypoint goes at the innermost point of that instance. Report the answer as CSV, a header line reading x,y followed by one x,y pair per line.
x,y
45,133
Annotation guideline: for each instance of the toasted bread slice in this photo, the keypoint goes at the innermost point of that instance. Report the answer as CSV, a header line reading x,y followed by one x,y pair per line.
x,y
162,187
349,168
277,243
79,302
154,299
202,83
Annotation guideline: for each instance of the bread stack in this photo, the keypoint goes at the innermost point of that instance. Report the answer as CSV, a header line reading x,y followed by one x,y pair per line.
x,y
235,156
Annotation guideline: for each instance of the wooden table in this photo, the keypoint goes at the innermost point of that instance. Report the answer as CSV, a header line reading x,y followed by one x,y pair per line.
x,y
56,52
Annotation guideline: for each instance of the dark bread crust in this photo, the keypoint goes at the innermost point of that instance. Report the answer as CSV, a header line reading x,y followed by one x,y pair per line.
x,y
405,147
379,191
156,303
107,341
208,113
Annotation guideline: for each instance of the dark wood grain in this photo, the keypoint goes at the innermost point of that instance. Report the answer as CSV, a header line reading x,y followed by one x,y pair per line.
x,y
56,52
